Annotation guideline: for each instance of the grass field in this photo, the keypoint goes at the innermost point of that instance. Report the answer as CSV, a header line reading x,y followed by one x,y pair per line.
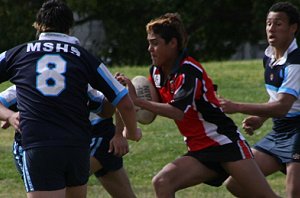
x,y
161,143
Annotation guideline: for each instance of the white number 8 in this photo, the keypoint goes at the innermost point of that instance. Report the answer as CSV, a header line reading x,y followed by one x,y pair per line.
x,y
50,79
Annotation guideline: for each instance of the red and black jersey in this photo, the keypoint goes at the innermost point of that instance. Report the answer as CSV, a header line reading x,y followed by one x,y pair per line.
x,y
190,89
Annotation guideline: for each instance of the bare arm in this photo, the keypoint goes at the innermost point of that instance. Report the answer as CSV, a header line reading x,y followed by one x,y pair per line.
x,y
107,110
274,109
162,109
9,117
127,112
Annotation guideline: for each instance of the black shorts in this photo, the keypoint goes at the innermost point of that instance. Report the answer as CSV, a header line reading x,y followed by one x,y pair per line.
x,y
213,157
54,168
99,149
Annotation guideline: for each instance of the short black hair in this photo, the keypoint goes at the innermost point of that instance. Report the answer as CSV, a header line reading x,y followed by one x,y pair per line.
x,y
290,10
54,16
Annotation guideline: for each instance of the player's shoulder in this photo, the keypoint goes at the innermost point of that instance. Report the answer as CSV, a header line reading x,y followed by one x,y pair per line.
x,y
191,67
294,57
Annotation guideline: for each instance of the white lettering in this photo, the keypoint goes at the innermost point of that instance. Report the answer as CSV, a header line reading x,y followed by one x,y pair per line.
x,y
63,47
32,47
51,47
48,47
75,51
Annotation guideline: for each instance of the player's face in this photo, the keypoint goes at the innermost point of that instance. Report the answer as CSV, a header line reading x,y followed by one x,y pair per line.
x,y
279,32
162,54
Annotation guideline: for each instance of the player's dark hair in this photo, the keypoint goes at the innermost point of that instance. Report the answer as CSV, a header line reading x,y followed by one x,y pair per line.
x,y
54,16
290,10
169,26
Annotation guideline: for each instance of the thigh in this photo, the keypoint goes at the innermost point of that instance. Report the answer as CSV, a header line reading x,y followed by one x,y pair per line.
x,y
76,192
117,184
186,171
95,165
246,173
47,194
266,162
293,175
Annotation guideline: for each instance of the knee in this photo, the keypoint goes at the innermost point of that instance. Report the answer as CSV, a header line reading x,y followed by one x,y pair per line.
x,y
232,187
160,182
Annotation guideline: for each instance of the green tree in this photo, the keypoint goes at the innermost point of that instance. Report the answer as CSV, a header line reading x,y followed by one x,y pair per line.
x,y
215,27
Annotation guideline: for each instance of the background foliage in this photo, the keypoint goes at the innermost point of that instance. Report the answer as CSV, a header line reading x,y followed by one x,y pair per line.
x,y
215,27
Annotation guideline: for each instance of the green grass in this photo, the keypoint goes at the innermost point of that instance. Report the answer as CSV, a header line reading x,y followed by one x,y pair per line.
x,y
162,143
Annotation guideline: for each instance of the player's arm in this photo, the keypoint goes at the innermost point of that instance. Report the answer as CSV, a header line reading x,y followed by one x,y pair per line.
x,y
162,109
278,108
107,110
99,104
127,113
8,100
9,116
118,143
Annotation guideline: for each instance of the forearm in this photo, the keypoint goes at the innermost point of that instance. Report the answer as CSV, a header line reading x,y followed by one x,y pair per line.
x,y
127,112
119,123
5,113
264,110
162,109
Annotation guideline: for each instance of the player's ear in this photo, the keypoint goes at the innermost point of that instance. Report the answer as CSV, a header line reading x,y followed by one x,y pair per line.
x,y
294,27
174,43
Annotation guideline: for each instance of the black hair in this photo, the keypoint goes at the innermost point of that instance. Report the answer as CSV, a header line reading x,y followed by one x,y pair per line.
x,y
54,16
290,10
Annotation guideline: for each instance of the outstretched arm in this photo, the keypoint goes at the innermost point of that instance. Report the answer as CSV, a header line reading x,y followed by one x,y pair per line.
x,y
278,108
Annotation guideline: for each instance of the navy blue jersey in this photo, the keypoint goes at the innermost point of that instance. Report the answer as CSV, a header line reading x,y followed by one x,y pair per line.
x,y
282,76
51,78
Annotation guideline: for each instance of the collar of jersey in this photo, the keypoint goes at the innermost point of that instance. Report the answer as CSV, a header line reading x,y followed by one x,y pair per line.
x,y
59,37
269,52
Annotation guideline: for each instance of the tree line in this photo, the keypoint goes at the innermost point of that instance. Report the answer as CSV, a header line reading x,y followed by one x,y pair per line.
x,y
215,27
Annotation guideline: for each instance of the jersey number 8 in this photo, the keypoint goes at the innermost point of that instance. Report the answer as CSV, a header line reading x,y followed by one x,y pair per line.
x,y
50,79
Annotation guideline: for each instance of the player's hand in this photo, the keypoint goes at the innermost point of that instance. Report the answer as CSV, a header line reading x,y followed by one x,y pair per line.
x,y
5,124
250,124
14,121
119,145
124,80
228,106
118,77
134,137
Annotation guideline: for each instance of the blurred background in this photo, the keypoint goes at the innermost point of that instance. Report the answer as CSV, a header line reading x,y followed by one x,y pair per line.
x,y
114,30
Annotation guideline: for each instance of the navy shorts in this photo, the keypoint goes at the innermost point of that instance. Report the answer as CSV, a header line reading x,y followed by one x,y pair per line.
x,y
284,146
99,149
54,168
213,157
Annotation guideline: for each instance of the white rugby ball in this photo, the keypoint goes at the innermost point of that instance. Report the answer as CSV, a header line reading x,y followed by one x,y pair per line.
x,y
145,90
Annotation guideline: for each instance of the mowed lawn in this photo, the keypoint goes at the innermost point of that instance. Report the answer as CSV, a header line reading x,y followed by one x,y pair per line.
x,y
162,143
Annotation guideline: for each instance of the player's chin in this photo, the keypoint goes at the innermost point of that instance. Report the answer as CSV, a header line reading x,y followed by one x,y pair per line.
x,y
154,61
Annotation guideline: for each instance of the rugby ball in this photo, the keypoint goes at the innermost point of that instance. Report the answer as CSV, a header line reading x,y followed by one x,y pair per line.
x,y
145,90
